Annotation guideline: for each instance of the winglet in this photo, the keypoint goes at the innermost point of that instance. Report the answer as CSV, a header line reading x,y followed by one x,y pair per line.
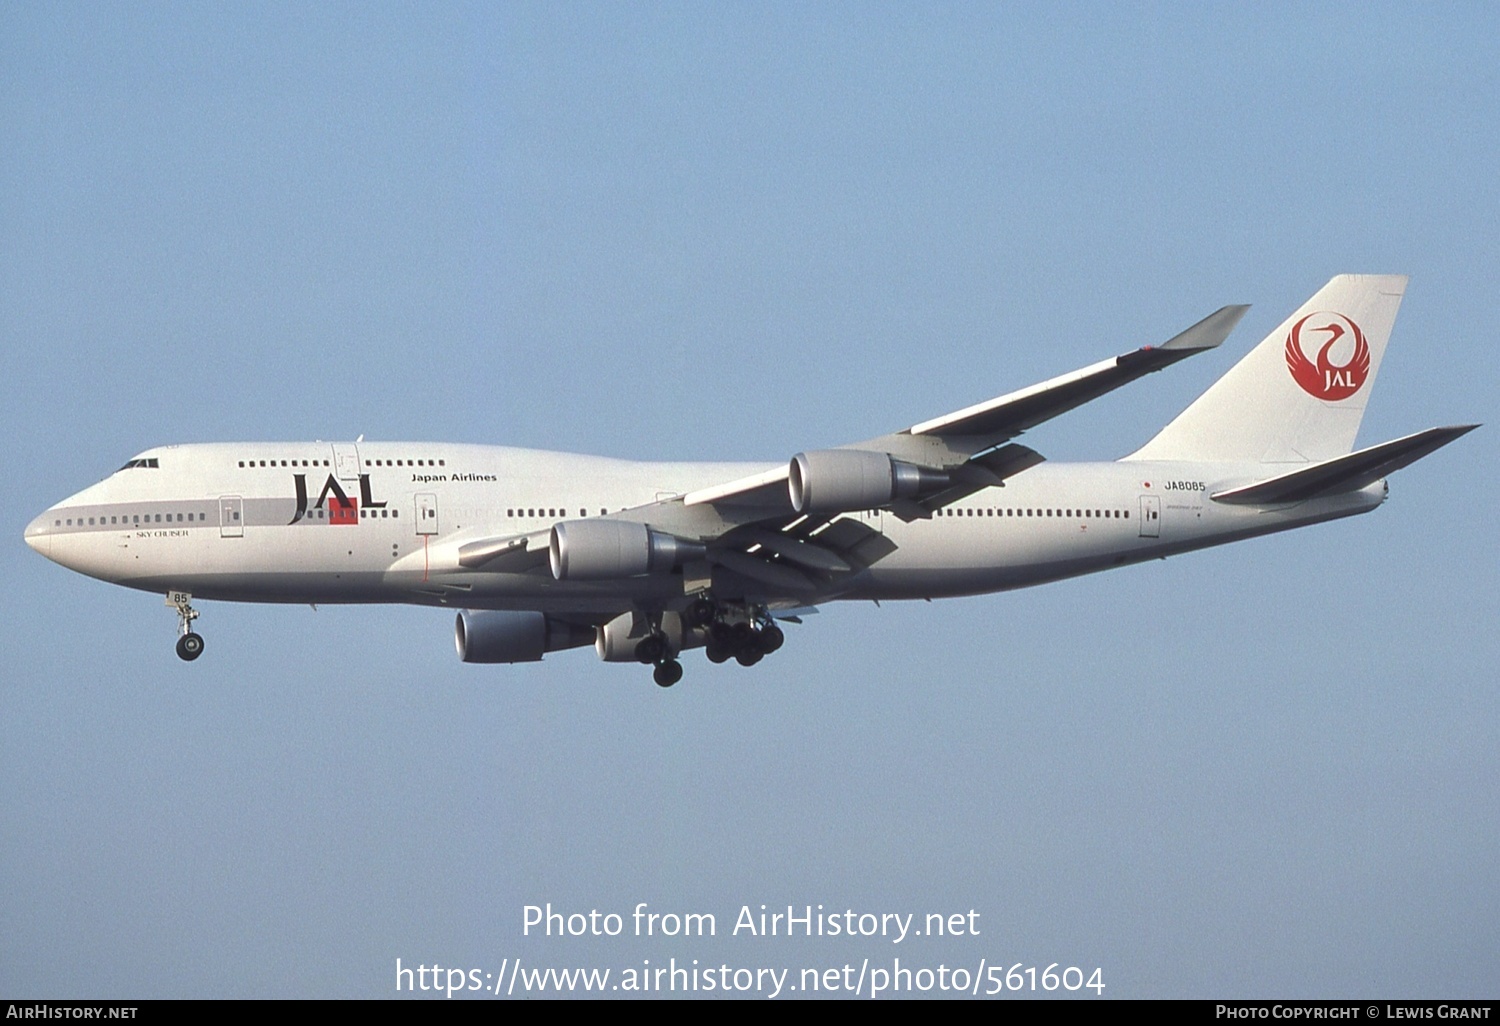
x,y
1210,332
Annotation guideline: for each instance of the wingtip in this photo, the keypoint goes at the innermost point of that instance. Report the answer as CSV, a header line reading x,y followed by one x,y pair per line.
x,y
1210,332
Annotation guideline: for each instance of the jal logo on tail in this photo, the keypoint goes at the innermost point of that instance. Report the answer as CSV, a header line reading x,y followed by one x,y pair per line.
x,y
1332,334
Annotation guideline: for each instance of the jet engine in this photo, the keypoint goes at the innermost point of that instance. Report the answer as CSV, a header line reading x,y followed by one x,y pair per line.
x,y
840,480
615,643
603,550
501,636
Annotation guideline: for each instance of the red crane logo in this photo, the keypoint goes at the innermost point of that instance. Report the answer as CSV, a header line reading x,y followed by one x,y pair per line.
x,y
1324,379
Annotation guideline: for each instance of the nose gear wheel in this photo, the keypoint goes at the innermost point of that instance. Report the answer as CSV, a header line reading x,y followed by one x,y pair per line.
x,y
189,644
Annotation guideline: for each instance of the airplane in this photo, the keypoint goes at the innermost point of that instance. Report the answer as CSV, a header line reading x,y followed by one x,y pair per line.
x,y
542,551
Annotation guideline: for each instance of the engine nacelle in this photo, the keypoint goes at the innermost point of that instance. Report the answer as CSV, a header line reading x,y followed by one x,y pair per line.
x,y
614,642
502,636
840,480
605,550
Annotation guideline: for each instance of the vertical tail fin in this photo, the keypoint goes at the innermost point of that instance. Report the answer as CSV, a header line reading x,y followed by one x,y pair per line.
x,y
1299,396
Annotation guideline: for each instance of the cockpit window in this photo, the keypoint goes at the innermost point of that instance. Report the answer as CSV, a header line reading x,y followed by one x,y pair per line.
x,y
139,463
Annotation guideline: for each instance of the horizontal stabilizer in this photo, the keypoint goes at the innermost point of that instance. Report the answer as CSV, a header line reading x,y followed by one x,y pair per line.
x,y
1344,473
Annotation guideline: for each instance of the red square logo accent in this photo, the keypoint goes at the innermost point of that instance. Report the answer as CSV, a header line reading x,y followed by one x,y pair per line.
x,y
343,511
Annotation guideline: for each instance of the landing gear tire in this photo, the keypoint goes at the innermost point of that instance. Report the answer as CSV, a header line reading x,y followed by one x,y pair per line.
x,y
749,657
667,673
189,646
771,638
717,652
742,635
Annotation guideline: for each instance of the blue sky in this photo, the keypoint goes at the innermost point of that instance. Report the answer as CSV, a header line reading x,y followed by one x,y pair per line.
x,y
738,231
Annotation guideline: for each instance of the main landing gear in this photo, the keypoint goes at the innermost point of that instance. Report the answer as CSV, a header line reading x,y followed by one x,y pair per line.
x,y
746,634
189,644
747,642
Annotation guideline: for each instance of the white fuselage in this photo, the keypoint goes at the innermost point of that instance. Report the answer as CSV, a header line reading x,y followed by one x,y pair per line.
x,y
384,521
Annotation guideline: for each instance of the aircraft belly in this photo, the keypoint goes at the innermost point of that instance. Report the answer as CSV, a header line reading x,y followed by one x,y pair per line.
x,y
897,582
536,590
314,587
975,562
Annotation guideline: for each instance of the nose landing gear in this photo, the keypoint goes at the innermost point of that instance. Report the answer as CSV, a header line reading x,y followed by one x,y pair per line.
x,y
189,644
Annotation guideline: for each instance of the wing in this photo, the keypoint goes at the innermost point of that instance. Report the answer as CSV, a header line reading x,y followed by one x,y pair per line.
x,y
764,527
963,437
796,531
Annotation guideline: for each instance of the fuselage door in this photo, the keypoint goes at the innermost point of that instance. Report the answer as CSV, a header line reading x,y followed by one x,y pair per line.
x,y
1150,516
427,517
346,460
231,516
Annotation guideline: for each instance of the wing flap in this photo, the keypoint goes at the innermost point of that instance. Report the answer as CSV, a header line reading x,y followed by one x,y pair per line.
x,y
859,544
795,550
776,575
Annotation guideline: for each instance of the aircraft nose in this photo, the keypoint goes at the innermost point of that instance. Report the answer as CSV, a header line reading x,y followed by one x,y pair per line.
x,y
37,535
